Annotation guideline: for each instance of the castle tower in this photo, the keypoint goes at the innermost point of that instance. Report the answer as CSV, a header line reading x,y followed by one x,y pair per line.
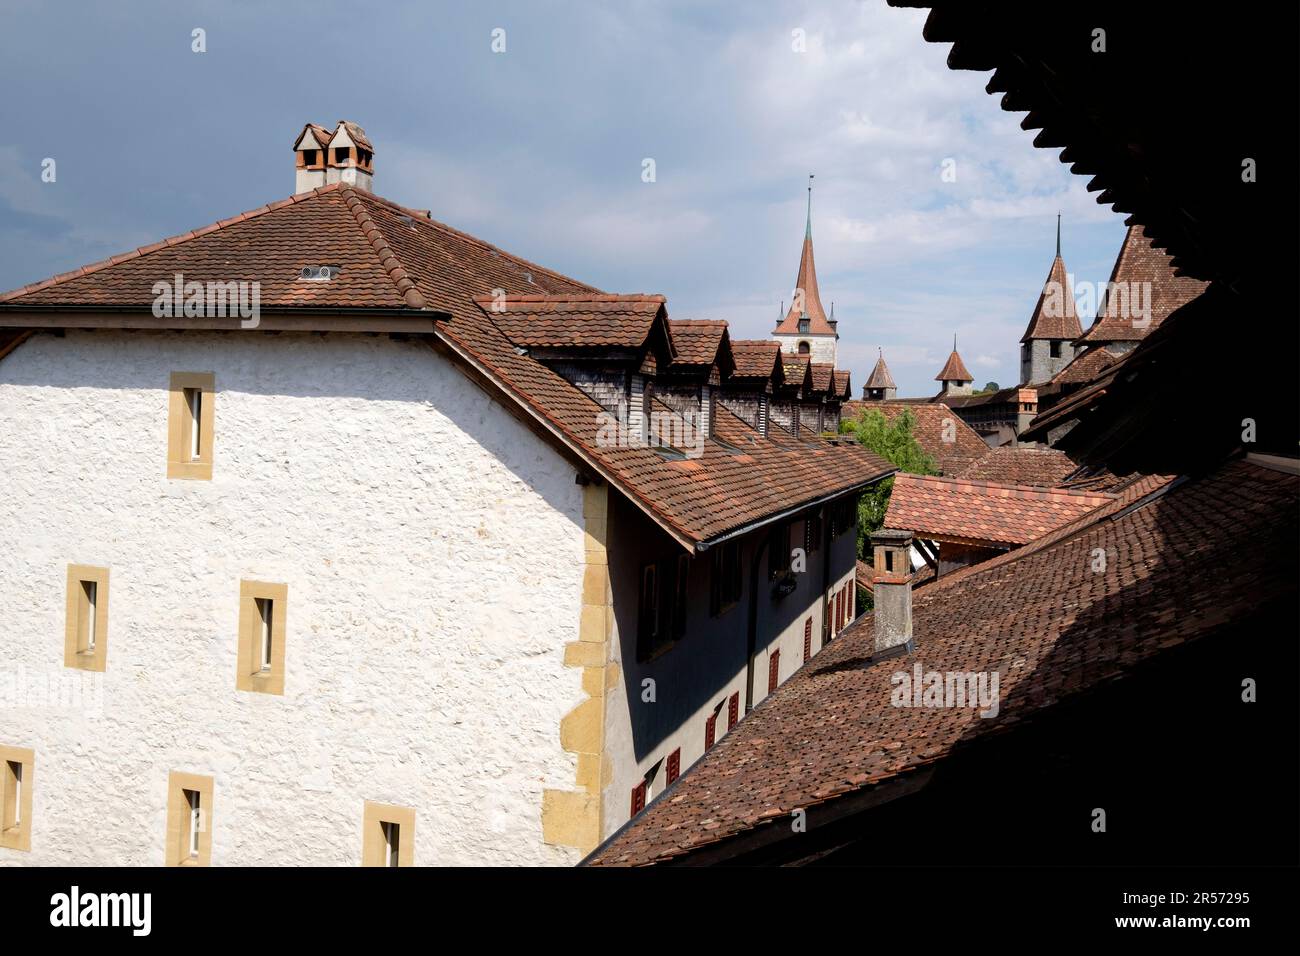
x,y
806,330
880,385
954,378
1048,343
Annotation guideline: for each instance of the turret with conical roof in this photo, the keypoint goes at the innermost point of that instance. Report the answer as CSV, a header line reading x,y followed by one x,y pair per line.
x,y
805,329
880,385
953,376
1048,343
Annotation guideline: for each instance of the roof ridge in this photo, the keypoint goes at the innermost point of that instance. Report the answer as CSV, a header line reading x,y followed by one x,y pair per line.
x,y
142,251
1038,491
427,220
387,258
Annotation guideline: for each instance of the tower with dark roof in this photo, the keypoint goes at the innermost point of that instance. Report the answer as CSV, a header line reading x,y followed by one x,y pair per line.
x,y
1048,343
953,377
880,385
805,329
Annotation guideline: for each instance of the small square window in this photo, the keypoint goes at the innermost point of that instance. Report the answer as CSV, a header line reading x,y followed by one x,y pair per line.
x,y
388,835
16,777
189,819
190,418
1056,348
310,157
85,641
342,154
262,613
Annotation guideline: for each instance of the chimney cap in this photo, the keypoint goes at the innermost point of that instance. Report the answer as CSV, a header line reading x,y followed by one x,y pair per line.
x,y
891,536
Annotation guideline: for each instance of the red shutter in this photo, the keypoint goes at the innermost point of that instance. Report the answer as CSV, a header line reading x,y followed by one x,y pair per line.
x,y
807,640
773,669
733,710
710,731
638,798
674,764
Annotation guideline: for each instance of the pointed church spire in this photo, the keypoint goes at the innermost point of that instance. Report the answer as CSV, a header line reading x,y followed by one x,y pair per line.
x,y
1054,316
807,232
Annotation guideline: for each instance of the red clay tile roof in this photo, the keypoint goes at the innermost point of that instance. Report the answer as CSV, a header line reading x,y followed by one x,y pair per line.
x,y
1054,316
954,370
934,421
702,342
843,387
583,320
1043,467
756,358
392,258
1139,265
822,376
982,512
812,301
1085,367
319,133
270,245
1040,616
880,377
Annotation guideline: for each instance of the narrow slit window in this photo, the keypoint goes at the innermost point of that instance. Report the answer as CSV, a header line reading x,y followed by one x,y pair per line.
x,y
388,835
194,405
262,629
16,765
392,843
86,634
194,802
190,425
89,597
265,614
189,819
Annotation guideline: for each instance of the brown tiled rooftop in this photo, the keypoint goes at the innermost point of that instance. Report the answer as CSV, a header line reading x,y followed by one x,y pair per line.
x,y
982,512
1054,315
934,421
1050,625
1044,467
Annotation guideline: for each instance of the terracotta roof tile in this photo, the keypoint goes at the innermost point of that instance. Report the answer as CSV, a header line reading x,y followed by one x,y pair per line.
x,y
1040,616
1140,266
954,370
981,512
1044,467
584,320
756,358
1054,315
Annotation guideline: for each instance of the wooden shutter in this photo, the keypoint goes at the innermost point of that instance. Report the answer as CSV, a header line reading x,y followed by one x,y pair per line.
x,y
807,640
638,798
773,669
674,764
733,710
710,730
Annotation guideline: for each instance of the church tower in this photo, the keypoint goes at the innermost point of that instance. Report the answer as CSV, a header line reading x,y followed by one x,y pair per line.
x,y
806,330
1048,343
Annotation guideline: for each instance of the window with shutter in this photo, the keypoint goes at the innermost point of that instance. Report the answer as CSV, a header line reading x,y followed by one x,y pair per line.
x,y
773,670
638,798
674,765
733,710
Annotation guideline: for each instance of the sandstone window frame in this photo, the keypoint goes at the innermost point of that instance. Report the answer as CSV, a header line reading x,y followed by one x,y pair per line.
x,y
189,833
17,775
182,460
85,638
251,675
376,827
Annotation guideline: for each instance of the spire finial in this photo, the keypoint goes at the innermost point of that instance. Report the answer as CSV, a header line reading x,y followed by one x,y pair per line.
x,y
807,233
954,341
1058,234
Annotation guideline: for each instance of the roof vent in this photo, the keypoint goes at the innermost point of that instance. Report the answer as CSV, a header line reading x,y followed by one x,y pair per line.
x,y
319,273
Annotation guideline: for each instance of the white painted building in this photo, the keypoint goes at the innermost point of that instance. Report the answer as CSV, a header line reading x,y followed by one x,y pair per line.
x,y
357,579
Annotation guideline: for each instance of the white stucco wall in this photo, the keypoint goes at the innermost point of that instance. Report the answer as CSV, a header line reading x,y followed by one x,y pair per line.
x,y
432,548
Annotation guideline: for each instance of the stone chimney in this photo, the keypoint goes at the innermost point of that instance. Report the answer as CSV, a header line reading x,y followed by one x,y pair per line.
x,y
891,583
323,156
1027,407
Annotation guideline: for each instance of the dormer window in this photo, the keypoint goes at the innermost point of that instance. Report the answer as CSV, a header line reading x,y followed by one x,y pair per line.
x,y
804,326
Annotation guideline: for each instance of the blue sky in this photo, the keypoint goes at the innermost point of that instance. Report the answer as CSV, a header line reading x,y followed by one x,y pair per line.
x,y
539,149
